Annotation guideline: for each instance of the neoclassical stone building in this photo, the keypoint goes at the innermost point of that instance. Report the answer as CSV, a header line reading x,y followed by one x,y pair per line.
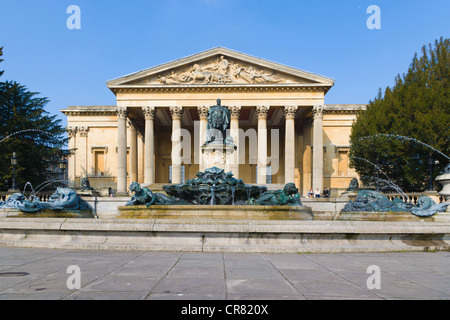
x,y
283,130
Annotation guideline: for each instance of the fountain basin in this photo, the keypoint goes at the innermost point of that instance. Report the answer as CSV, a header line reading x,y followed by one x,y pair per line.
x,y
391,216
15,213
221,212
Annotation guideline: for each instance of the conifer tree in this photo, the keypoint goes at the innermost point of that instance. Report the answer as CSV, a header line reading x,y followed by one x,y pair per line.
x,y
31,132
1,54
416,107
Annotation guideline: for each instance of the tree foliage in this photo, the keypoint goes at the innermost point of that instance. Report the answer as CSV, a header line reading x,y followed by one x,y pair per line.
x,y
30,131
417,107
1,54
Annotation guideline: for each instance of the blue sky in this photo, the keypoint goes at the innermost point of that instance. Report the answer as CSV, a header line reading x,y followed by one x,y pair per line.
x,y
328,37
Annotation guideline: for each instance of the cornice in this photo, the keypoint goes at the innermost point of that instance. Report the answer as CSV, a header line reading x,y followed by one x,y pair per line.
x,y
344,108
90,110
220,88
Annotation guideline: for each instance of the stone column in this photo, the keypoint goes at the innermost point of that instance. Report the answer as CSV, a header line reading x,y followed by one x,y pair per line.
x,y
122,151
82,152
317,170
203,116
176,112
307,155
141,156
149,152
262,112
234,133
71,166
289,146
133,152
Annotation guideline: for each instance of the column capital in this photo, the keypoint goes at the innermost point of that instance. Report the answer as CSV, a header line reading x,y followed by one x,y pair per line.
x,y
176,112
71,131
317,111
83,131
235,111
135,125
203,112
262,111
289,111
122,112
149,112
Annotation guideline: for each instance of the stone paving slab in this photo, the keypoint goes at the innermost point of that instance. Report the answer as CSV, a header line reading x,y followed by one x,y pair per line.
x,y
41,274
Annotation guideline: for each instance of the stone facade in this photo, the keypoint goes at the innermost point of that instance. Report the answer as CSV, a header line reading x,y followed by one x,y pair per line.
x,y
280,123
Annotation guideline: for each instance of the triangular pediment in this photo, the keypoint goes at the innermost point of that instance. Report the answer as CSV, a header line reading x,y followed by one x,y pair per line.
x,y
220,66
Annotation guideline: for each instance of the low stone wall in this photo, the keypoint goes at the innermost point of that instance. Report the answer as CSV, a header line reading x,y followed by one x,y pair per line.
x,y
106,207
230,236
325,208
392,216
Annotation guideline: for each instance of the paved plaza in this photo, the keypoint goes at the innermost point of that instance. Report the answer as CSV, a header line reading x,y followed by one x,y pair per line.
x,y
43,274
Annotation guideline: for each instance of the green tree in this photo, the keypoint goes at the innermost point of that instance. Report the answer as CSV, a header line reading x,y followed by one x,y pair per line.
x,y
30,131
417,107
1,54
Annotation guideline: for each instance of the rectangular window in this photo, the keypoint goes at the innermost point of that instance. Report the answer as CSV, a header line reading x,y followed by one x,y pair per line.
x,y
99,163
343,163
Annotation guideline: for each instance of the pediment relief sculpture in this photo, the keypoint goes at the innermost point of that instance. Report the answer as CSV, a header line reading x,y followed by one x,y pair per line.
x,y
222,70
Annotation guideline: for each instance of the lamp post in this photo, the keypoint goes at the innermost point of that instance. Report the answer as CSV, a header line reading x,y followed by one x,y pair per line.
x,y
62,167
14,163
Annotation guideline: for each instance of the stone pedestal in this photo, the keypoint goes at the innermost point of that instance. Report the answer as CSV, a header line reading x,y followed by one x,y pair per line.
x,y
218,154
444,180
349,195
432,194
88,193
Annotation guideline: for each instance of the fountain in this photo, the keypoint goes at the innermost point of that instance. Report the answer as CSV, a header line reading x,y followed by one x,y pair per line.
x,y
26,131
64,202
388,181
215,193
368,201
214,186
404,138
401,138
372,201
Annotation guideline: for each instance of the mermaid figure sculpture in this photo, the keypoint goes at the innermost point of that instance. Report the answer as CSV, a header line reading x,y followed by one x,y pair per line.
x,y
61,199
368,200
143,196
287,196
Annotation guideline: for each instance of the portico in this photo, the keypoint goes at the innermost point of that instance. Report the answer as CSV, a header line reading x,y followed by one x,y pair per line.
x,y
278,123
